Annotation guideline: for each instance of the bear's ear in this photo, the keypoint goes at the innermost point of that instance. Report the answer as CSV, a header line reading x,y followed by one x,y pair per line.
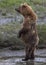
x,y
25,3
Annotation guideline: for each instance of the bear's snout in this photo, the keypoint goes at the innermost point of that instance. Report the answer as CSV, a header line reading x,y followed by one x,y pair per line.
x,y
17,9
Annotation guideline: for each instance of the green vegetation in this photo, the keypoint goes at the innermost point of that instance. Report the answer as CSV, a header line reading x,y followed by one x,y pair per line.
x,y
8,36
42,34
7,3
39,1
11,3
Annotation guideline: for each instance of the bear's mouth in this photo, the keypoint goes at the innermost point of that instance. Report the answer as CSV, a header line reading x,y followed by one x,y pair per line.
x,y
17,9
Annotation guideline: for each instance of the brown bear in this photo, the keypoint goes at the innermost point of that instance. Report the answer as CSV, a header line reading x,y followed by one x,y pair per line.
x,y
28,33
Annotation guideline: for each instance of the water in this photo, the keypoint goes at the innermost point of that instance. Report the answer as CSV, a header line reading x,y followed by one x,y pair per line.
x,y
42,20
6,20
8,57
16,18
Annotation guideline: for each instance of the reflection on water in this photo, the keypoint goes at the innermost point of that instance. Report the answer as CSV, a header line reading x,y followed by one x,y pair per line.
x,y
18,61
8,57
30,63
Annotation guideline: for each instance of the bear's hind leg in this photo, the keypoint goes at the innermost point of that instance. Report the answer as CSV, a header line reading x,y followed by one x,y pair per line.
x,y
27,53
31,54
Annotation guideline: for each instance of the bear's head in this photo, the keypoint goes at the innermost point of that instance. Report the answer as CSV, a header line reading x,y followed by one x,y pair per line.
x,y
26,11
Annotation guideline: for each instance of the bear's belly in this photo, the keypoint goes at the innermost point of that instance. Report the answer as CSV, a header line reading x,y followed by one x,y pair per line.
x,y
28,38
25,38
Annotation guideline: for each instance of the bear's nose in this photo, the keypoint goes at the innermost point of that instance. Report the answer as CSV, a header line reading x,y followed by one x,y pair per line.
x,y
17,9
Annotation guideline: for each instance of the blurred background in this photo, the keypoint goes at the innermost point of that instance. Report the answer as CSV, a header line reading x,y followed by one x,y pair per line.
x,y
10,23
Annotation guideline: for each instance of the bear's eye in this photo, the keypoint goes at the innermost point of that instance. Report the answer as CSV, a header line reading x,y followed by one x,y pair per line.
x,y
24,6
29,14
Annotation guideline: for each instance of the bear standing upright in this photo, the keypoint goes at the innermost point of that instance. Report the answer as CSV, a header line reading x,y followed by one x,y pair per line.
x,y
28,33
